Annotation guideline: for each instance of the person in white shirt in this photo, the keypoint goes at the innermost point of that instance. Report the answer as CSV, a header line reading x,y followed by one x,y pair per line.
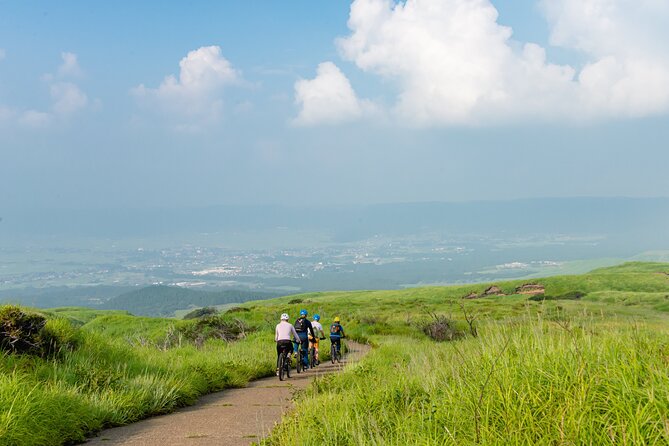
x,y
319,334
282,334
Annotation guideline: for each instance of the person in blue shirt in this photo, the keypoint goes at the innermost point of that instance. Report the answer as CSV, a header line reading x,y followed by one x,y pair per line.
x,y
336,333
303,328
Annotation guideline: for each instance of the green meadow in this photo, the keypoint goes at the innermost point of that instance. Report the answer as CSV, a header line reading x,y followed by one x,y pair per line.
x,y
586,361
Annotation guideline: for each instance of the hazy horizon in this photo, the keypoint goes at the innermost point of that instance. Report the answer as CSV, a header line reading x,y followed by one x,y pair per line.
x,y
294,249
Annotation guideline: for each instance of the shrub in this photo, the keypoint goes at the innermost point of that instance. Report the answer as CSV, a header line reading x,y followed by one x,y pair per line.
x,y
201,312
20,331
210,327
238,310
440,328
295,301
570,295
31,333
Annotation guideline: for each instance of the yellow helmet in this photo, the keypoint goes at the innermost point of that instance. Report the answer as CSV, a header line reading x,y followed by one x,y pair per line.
x,y
336,319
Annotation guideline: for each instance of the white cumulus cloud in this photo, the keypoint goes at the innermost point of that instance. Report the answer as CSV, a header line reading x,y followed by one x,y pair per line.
x,y
328,98
627,73
67,98
452,63
195,96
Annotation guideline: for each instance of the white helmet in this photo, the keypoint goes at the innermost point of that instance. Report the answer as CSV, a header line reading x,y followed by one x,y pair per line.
x,y
285,317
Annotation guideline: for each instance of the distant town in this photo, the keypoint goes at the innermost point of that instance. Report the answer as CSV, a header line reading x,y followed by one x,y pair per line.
x,y
376,262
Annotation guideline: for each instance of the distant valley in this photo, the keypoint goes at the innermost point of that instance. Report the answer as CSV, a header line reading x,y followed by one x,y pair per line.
x,y
73,257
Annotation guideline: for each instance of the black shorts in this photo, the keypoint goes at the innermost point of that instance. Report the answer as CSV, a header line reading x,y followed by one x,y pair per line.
x,y
284,345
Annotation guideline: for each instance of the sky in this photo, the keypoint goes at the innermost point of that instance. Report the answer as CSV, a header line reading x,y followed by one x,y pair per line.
x,y
179,104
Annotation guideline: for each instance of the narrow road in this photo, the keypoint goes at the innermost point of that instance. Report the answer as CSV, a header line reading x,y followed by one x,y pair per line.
x,y
230,417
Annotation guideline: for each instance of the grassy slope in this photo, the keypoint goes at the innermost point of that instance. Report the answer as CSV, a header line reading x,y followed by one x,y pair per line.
x,y
118,373
556,372
531,360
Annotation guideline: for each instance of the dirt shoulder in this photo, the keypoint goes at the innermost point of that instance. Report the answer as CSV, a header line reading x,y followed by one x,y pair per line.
x,y
230,417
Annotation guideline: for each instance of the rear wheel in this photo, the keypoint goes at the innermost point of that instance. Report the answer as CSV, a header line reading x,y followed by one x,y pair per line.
x,y
282,365
298,365
333,353
312,357
286,364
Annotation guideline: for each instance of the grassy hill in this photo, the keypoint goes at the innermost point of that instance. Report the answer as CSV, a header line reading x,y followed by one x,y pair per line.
x,y
588,361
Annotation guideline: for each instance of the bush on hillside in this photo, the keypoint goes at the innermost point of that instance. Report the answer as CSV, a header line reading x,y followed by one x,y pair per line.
x,y
441,328
201,312
31,333
570,295
238,310
295,301
210,327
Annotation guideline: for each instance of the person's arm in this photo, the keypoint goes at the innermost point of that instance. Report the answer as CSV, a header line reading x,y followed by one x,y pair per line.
x,y
276,334
343,335
311,329
296,337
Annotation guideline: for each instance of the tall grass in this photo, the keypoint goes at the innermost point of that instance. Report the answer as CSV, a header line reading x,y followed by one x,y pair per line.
x,y
586,371
529,382
106,382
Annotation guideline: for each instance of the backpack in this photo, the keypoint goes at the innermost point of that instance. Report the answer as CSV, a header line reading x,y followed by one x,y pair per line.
x,y
301,324
335,329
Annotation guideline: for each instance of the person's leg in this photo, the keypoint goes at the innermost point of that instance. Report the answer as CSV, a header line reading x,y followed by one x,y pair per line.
x,y
305,353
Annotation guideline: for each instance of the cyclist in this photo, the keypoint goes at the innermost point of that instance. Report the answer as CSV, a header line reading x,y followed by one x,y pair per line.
x,y
302,326
336,333
282,334
318,331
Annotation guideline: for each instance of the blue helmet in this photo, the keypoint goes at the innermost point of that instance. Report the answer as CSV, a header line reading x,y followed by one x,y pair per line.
x,y
317,317
303,312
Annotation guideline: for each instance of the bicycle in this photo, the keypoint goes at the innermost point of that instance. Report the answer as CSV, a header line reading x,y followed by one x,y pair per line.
x,y
335,354
299,365
284,365
312,357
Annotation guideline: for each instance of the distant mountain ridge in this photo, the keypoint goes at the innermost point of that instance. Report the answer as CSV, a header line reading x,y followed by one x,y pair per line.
x,y
162,300
63,296
608,215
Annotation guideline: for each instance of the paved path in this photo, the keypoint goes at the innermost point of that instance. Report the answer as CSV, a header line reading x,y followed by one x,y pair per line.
x,y
230,417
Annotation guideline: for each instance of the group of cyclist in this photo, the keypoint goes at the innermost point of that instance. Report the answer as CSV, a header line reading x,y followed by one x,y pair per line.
x,y
305,334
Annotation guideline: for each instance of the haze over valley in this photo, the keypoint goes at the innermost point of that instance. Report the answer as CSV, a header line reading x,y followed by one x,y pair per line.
x,y
63,257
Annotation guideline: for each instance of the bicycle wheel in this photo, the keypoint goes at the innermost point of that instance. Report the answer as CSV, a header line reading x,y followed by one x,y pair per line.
x,y
333,353
282,365
298,364
312,357
286,364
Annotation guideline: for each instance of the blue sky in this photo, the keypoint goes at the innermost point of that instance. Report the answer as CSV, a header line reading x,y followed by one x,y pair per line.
x,y
320,102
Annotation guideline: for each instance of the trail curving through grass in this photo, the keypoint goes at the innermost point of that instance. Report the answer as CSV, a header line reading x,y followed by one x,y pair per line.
x,y
231,417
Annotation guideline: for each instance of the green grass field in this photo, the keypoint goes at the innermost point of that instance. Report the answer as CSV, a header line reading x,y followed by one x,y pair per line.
x,y
563,370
